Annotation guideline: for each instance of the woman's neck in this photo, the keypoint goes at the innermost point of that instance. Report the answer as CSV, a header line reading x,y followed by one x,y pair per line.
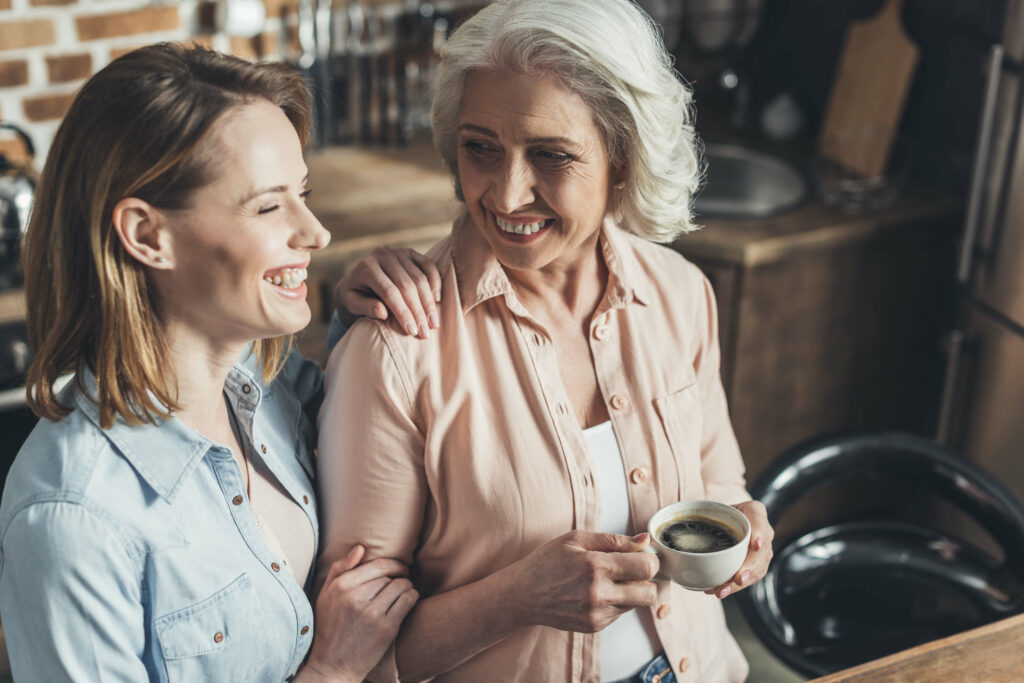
x,y
572,289
201,366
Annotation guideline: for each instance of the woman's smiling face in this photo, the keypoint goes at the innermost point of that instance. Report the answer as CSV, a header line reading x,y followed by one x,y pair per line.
x,y
533,168
241,249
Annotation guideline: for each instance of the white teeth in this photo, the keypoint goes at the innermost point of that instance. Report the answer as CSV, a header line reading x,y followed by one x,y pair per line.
x,y
289,278
527,229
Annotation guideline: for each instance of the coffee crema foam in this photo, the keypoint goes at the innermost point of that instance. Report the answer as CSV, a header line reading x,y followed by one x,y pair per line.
x,y
694,534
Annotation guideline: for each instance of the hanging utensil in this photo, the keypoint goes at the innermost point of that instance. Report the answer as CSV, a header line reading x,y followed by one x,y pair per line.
x,y
17,191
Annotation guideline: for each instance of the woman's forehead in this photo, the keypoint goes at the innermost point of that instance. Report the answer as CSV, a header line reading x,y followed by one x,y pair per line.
x,y
524,105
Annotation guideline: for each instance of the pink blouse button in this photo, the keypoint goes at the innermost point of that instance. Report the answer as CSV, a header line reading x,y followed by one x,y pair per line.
x,y
602,332
638,475
620,402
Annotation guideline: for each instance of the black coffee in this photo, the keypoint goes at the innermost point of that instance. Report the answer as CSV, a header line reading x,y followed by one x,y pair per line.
x,y
694,534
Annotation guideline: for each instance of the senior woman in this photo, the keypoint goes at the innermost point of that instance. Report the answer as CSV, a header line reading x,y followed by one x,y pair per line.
x,y
573,388
160,523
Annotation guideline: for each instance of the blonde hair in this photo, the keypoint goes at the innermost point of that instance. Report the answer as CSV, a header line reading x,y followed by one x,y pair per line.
x,y
609,53
134,130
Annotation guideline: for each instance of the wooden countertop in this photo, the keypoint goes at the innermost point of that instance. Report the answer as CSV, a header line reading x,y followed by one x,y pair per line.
x,y
12,305
811,226
992,654
361,192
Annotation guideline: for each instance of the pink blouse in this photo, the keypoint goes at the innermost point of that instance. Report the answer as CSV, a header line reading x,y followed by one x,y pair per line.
x,y
461,454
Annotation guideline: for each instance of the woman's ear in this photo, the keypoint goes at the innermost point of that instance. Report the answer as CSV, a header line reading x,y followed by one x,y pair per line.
x,y
142,230
618,177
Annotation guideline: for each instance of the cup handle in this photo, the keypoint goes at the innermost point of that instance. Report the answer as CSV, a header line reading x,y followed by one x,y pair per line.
x,y
653,550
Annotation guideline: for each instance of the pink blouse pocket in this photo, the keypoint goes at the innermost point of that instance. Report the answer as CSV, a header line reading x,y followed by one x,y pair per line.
x,y
682,418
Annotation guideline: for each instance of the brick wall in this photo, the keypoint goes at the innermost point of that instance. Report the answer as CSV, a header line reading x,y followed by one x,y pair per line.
x,y
49,47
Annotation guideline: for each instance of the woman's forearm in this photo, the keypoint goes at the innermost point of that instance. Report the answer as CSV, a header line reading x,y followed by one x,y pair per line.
x,y
445,630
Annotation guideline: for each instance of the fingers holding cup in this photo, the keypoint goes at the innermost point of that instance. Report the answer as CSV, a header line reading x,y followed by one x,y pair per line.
x,y
759,551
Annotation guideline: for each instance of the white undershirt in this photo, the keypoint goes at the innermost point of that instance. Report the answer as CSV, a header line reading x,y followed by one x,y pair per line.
x,y
630,641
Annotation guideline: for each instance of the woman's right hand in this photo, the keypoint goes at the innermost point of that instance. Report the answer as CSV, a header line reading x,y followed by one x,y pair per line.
x,y
358,613
398,280
583,580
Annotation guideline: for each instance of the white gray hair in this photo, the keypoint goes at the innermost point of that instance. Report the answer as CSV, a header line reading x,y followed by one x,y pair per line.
x,y
609,53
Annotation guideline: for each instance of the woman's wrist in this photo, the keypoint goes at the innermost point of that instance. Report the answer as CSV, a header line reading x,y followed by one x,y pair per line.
x,y
512,590
447,629
315,672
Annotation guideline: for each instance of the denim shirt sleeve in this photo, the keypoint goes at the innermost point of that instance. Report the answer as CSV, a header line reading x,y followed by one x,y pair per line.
x,y
306,379
335,332
73,592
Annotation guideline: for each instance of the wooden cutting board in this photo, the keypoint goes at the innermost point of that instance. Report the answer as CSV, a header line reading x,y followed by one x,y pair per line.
x,y
869,91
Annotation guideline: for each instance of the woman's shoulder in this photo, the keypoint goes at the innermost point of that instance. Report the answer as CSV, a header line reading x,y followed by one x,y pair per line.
x,y
57,455
662,264
56,464
73,462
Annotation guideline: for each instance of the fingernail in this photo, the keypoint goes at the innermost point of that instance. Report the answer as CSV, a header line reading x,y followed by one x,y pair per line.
x,y
424,331
437,297
640,538
744,578
435,321
411,328
724,592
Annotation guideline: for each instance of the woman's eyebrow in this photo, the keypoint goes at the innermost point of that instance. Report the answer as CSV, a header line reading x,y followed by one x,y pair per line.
x,y
275,188
544,139
478,129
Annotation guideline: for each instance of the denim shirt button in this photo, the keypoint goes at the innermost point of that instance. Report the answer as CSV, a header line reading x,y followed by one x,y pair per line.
x,y
305,499
304,630
237,500
246,388
218,637
275,566
263,448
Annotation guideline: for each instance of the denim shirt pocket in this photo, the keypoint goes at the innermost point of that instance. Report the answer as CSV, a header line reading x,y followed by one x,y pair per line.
x,y
220,638
682,419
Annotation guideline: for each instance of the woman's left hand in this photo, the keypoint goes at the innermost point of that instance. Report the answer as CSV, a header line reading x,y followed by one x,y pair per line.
x,y
759,552
401,281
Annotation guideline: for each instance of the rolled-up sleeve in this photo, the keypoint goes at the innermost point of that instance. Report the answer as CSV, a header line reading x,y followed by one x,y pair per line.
x,y
721,464
70,597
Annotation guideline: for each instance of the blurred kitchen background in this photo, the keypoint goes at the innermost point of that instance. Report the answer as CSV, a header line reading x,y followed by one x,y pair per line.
x,y
863,225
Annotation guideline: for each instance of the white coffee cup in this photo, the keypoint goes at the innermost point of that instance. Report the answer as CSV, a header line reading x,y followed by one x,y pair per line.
x,y
699,571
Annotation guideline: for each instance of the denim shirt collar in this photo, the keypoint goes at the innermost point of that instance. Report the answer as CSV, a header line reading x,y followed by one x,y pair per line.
x,y
165,452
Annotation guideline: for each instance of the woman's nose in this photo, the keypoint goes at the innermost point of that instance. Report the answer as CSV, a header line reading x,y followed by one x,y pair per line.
x,y
310,233
513,188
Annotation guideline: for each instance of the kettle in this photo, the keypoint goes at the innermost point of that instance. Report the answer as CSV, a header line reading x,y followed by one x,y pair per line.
x,y
17,190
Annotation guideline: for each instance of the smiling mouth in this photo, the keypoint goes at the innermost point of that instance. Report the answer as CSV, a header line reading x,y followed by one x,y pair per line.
x,y
286,278
521,232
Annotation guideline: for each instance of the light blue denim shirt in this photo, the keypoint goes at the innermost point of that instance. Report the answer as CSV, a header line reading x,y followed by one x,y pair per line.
x,y
131,554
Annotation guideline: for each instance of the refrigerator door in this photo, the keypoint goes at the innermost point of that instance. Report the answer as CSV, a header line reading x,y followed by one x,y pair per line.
x,y
998,277
996,250
993,433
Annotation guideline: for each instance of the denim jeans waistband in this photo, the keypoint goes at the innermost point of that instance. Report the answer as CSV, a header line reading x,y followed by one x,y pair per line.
x,y
657,670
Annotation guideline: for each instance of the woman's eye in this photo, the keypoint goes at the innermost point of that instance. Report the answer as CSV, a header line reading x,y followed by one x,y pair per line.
x,y
305,193
267,209
554,157
477,147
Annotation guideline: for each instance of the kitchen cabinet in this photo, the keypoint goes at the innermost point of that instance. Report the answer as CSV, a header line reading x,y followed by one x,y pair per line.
x,y
829,322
